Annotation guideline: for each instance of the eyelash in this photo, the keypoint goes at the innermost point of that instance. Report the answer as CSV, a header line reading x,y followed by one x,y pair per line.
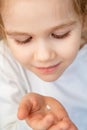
x,y
52,35
60,36
25,41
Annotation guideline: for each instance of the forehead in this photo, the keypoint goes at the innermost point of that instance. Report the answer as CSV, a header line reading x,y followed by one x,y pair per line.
x,y
33,11
13,5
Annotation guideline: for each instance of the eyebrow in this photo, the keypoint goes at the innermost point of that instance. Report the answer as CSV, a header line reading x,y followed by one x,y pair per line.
x,y
15,33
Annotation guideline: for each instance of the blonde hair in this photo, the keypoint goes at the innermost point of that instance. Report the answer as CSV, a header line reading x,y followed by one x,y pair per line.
x,y
80,7
2,32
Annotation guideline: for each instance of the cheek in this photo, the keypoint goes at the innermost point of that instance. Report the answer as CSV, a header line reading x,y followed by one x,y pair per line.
x,y
72,50
21,53
69,48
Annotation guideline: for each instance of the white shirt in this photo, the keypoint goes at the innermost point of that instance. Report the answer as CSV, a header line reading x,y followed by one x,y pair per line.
x,y
15,81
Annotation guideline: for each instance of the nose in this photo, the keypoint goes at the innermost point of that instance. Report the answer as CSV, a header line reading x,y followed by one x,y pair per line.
x,y
44,52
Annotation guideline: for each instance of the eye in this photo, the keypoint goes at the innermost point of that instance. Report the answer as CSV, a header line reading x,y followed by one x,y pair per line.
x,y
25,41
57,36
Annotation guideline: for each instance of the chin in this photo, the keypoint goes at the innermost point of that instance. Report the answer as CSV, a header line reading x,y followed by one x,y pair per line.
x,y
49,78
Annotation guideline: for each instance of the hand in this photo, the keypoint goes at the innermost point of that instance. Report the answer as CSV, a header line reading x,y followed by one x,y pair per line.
x,y
44,113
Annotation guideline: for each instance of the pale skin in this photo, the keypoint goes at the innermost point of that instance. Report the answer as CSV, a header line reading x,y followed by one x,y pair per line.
x,y
46,42
34,108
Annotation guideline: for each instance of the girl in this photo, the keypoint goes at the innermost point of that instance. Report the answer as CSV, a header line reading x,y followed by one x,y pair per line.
x,y
42,54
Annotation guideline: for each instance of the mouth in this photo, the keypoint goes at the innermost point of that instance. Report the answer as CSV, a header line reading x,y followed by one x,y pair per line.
x,y
48,69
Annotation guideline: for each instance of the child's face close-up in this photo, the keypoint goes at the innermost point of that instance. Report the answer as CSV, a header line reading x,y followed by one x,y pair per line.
x,y
43,35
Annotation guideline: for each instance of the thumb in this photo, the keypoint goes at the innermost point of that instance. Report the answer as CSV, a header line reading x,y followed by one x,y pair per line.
x,y
24,109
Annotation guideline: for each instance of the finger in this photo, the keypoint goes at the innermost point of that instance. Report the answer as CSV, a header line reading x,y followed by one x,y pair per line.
x,y
24,109
40,122
30,103
63,125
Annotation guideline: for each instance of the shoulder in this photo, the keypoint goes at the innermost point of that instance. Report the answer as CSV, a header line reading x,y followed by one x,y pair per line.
x,y
84,48
82,54
78,68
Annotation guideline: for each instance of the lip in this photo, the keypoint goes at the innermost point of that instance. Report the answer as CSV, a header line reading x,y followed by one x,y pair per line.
x,y
48,69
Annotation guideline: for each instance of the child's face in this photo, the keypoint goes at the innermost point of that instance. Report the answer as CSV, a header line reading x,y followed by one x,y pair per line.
x,y
43,35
